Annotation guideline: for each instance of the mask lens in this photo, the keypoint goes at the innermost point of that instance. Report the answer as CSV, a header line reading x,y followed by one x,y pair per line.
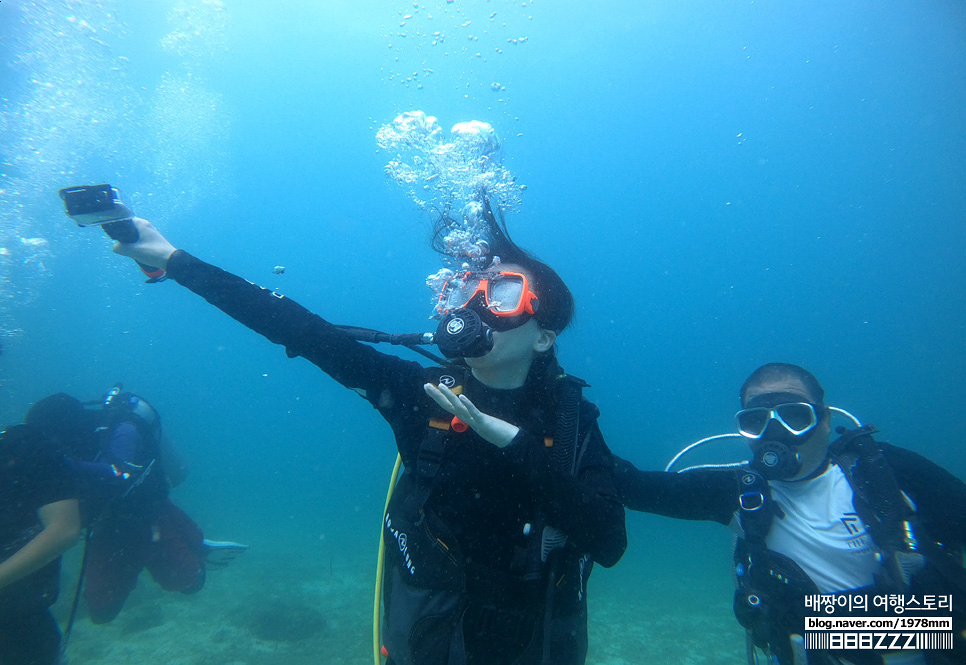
x,y
752,422
459,292
797,418
505,293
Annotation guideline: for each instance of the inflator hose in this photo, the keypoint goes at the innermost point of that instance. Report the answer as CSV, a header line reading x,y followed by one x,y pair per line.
x,y
380,566
564,454
568,419
75,603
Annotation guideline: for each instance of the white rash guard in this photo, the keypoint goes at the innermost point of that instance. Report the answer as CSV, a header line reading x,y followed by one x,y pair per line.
x,y
822,533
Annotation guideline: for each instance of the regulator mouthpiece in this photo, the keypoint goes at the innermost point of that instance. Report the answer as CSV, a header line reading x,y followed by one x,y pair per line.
x,y
775,460
461,334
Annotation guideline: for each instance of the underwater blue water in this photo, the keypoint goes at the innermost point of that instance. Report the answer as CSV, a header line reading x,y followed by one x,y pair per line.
x,y
721,185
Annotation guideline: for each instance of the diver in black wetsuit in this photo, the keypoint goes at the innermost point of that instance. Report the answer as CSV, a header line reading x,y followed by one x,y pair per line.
x,y
39,520
491,538
815,516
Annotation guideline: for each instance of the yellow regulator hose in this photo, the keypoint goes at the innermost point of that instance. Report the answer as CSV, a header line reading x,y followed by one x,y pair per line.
x,y
380,565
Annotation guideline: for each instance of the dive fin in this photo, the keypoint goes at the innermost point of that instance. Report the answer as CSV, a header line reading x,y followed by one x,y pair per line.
x,y
219,553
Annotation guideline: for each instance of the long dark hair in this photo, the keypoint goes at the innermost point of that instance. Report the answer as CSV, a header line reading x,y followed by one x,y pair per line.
x,y
555,310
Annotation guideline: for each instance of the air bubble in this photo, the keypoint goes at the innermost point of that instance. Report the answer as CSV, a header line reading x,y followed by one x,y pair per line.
x,y
448,173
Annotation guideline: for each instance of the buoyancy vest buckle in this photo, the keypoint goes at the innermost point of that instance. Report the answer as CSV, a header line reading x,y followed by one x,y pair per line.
x,y
751,501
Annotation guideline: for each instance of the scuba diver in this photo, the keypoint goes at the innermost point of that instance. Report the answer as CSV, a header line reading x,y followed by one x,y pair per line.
x,y
39,521
813,517
499,515
120,463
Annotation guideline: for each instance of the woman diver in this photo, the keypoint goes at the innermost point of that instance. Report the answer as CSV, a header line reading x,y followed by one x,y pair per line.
x,y
502,510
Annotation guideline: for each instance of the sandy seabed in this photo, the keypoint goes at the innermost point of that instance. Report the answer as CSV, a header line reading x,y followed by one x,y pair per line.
x,y
284,609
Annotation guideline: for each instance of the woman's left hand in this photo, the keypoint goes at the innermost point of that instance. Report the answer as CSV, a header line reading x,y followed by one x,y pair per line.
x,y
498,432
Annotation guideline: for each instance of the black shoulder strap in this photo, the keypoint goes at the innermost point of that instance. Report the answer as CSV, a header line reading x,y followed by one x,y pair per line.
x,y
880,503
565,443
756,508
851,441
876,494
429,459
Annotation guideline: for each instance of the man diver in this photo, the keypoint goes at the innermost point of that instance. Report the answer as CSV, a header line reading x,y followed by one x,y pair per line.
x,y
817,517
117,456
497,520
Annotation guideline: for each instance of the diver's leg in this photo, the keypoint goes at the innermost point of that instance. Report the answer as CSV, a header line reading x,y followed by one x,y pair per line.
x,y
176,558
115,559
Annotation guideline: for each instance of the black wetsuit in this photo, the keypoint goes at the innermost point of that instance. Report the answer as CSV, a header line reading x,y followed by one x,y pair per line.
x,y
31,476
712,494
463,584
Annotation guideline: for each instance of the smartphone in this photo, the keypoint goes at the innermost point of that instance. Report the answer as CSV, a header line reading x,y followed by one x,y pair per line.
x,y
100,205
